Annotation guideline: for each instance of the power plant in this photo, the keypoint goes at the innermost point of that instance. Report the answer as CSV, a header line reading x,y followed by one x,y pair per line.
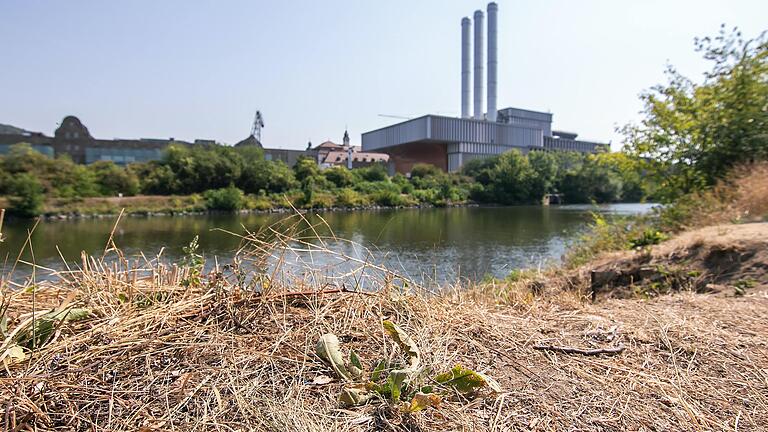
x,y
450,142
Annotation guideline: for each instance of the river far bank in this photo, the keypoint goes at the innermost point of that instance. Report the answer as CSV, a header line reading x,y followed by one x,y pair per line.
x,y
191,205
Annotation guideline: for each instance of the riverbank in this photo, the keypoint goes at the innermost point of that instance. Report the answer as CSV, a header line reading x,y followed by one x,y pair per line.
x,y
187,205
652,331
155,348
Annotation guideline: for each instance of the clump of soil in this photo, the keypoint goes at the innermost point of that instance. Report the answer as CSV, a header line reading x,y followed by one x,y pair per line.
x,y
728,259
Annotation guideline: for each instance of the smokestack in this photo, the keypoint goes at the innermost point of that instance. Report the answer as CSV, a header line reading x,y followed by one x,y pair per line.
x,y
493,62
466,73
478,65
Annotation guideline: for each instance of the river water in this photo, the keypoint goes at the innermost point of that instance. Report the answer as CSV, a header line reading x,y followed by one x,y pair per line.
x,y
438,245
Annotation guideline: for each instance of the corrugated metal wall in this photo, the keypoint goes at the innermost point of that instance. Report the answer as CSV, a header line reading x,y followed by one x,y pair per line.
x,y
401,133
454,130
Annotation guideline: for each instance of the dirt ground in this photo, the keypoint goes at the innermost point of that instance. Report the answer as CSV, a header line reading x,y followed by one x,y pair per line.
x,y
219,359
717,259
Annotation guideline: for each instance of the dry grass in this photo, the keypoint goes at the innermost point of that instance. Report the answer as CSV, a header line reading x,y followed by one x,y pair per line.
x,y
236,352
743,197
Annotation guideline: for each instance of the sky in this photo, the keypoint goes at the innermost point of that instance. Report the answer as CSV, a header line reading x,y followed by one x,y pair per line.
x,y
200,69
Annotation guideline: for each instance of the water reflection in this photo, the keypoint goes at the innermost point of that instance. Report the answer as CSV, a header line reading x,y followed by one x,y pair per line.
x,y
440,244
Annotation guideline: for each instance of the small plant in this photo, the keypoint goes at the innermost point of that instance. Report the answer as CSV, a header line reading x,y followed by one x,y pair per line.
x,y
194,262
407,385
648,237
741,286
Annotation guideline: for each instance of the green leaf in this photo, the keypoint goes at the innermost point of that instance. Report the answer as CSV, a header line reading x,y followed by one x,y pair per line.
x,y
421,401
329,350
3,326
351,396
395,380
38,332
381,367
466,380
355,365
405,343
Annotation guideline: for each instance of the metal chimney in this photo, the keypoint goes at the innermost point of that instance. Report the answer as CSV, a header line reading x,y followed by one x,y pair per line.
x,y
493,62
478,65
466,73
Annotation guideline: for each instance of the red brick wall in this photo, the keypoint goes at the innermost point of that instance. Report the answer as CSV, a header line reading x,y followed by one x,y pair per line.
x,y
404,157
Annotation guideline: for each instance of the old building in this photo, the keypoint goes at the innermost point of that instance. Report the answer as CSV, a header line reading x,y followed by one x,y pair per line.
x,y
73,139
331,154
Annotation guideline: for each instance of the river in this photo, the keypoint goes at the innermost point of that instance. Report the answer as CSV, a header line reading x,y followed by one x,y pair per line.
x,y
438,245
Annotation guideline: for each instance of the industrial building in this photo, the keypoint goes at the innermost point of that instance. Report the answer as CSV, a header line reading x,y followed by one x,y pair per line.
x,y
450,142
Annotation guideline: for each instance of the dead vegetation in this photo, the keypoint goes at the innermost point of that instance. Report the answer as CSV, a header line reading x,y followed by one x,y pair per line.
x,y
163,347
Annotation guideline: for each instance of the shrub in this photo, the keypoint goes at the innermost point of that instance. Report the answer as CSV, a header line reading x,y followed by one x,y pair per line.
x,y
339,176
348,197
373,173
226,199
26,195
113,180
425,170
259,203
392,199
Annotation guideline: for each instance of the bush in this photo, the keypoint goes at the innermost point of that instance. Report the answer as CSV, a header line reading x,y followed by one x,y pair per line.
x,y
339,176
113,180
373,173
425,170
26,195
259,203
392,199
348,197
226,199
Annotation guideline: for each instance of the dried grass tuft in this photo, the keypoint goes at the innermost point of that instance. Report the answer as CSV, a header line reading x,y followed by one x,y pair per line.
x,y
236,351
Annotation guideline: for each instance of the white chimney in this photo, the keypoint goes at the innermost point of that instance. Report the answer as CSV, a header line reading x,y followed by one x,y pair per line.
x,y
466,73
478,65
493,62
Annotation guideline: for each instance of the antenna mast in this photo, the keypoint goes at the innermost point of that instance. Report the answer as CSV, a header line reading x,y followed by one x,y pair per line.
x,y
258,124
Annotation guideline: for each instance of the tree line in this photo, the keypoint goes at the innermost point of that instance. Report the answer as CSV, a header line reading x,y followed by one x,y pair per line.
x,y
230,178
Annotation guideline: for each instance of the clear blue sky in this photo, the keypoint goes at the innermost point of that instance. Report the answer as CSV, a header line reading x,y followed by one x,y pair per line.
x,y
199,69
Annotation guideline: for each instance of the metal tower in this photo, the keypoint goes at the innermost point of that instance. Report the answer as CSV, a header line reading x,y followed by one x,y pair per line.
x,y
258,123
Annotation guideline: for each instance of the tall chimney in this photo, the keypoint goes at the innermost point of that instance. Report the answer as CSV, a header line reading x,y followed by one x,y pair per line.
x,y
478,65
466,73
493,62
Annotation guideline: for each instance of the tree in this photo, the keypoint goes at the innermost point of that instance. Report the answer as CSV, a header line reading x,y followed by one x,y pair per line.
x,y
112,179
26,195
693,133
512,179
305,167
339,176
544,168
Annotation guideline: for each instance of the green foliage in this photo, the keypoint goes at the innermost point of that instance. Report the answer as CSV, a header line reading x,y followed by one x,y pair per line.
x,y
466,380
373,173
339,176
305,168
348,197
26,195
113,180
193,262
225,199
36,333
648,237
693,133
402,385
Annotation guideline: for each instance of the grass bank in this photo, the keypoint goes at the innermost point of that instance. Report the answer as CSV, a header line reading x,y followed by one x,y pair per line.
x,y
120,344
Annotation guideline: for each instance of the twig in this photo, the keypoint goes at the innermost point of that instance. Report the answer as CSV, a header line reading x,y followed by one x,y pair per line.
x,y
587,352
